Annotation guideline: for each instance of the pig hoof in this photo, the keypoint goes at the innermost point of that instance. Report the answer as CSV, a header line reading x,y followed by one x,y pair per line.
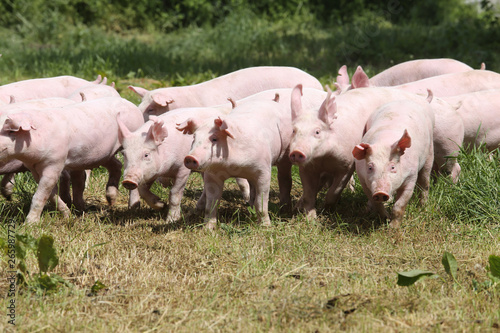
x,y
311,215
210,226
158,205
395,224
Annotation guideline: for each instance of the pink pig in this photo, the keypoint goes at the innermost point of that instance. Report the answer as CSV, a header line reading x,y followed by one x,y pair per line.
x,y
245,144
441,86
157,150
237,85
408,71
480,112
94,91
8,169
415,70
323,139
396,153
60,86
76,137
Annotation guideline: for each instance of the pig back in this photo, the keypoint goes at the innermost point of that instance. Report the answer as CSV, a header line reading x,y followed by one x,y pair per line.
x,y
92,128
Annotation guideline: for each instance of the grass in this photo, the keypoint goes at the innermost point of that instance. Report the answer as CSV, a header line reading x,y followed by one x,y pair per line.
x,y
335,273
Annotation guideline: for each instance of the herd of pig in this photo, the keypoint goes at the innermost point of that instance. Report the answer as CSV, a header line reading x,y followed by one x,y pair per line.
x,y
392,129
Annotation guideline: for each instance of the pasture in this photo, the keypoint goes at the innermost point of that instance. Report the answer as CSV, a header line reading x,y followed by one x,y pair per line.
x,y
115,269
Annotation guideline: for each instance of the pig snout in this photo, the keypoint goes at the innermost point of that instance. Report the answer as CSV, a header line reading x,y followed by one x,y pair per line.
x,y
297,156
191,162
380,196
129,184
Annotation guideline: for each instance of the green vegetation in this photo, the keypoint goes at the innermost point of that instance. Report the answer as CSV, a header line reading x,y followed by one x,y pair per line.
x,y
112,269
174,41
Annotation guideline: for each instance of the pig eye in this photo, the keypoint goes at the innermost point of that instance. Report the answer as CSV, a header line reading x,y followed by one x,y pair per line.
x,y
213,139
370,166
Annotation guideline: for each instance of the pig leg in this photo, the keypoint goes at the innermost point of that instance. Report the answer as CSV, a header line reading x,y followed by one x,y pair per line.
x,y
403,196
262,185
151,199
339,183
175,195
244,188
424,176
65,187
134,199
7,185
47,178
166,181
114,167
311,183
78,178
213,190
285,183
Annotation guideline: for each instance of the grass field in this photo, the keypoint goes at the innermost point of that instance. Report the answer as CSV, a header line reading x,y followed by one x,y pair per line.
x,y
128,271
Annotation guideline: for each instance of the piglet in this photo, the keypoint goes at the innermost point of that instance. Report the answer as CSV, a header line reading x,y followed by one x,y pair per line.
x,y
395,153
237,85
157,150
245,143
60,86
76,137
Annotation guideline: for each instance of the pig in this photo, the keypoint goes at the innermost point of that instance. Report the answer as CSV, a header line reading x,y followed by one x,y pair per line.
x,y
323,139
94,91
237,85
480,112
415,70
73,138
245,143
157,150
395,154
443,85
408,71
60,86
9,169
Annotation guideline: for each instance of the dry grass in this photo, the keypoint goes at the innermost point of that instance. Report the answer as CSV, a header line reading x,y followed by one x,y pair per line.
x,y
299,275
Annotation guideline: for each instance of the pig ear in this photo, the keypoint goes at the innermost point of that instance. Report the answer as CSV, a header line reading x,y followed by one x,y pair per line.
x,y
161,99
276,98
296,100
342,79
157,133
98,80
403,143
138,90
233,103
360,79
360,151
187,127
224,127
123,131
18,122
328,110
483,66
104,81
430,96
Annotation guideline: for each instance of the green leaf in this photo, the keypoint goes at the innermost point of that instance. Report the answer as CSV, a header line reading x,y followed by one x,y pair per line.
x,y
98,285
450,264
408,278
46,253
494,265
